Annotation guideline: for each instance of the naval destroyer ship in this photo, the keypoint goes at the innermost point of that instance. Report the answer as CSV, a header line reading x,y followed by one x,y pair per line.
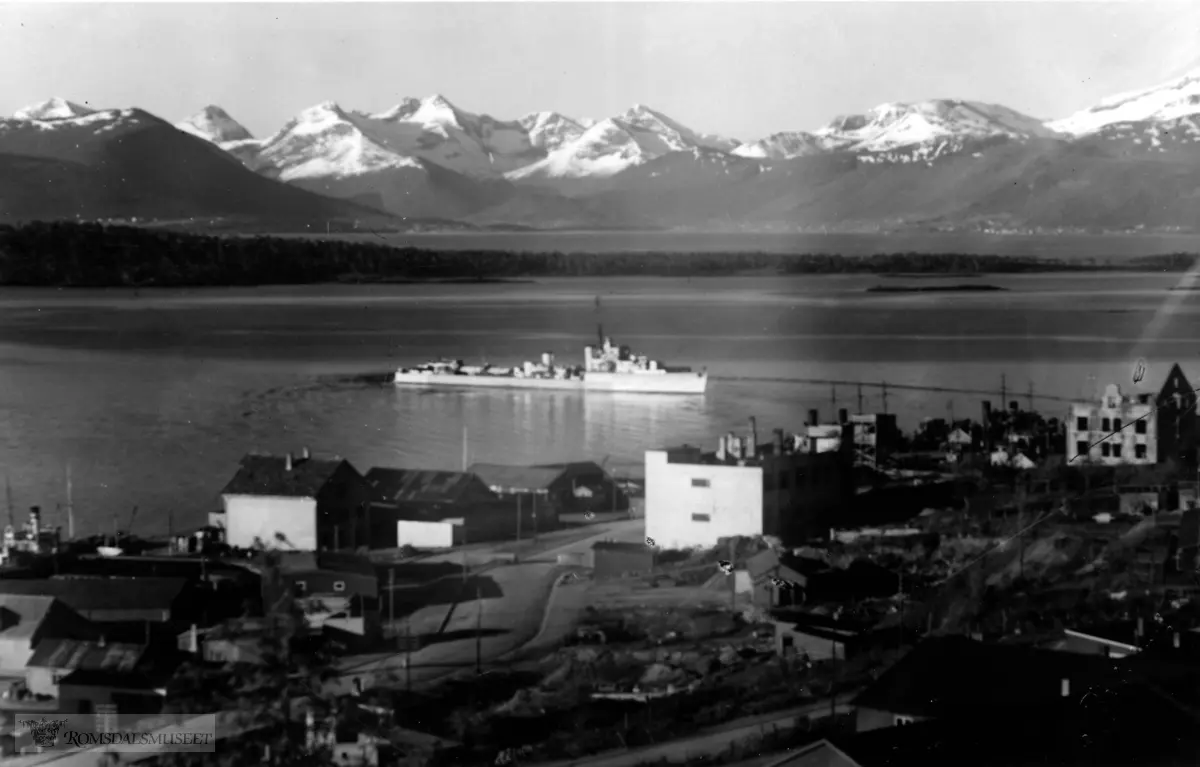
x,y
608,367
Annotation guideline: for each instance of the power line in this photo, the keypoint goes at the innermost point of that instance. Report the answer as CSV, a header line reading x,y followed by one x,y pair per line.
x,y
860,384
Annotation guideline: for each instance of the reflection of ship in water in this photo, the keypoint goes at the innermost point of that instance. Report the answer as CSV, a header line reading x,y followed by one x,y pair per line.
x,y
625,424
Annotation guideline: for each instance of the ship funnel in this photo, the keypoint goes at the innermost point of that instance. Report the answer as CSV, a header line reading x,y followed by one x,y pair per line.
x,y
752,447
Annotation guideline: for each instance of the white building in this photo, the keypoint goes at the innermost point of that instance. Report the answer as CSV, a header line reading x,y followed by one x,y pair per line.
x,y
304,503
1118,429
695,498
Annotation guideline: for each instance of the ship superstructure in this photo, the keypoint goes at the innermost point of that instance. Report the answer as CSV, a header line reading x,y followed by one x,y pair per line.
x,y
606,367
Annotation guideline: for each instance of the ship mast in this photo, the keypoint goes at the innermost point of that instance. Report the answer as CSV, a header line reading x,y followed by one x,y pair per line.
x,y
8,499
600,333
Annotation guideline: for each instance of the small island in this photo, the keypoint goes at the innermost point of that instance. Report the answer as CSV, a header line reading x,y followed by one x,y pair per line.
x,y
933,288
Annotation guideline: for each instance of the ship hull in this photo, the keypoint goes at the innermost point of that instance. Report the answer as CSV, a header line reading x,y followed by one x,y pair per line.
x,y
664,383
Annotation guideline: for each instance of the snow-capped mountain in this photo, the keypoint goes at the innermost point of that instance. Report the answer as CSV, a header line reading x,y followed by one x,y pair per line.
x,y
929,128
634,137
1170,101
782,146
550,130
214,124
52,109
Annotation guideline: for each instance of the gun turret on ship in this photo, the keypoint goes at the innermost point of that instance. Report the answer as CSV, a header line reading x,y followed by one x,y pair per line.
x,y
606,367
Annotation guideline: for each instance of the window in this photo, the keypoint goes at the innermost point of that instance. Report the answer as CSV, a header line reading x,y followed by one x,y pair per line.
x,y
339,586
1139,451
1105,424
1081,423
1116,451
1081,448
700,483
900,721
1105,449
1116,424
1140,426
701,518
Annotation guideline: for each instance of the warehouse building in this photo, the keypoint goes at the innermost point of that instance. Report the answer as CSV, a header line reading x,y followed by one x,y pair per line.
x,y
614,559
693,498
301,503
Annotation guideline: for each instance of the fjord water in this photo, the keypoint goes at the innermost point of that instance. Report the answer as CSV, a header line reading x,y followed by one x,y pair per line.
x,y
152,398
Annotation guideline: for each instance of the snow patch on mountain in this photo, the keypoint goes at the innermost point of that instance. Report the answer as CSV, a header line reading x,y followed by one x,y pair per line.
x,y
52,109
215,125
677,136
1171,100
781,146
550,130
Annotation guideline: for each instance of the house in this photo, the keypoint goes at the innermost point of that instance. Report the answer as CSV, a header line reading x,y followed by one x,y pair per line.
x,y
26,620
953,676
54,659
1145,499
959,439
338,591
140,691
612,559
546,490
816,638
440,509
111,600
768,568
695,498
876,436
585,486
301,503
1139,429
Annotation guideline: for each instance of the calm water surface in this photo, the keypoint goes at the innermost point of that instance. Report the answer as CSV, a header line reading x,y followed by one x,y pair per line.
x,y
153,398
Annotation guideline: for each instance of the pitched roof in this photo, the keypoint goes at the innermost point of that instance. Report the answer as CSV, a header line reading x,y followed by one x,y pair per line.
x,y
400,485
330,561
77,654
21,614
84,594
268,475
518,478
950,674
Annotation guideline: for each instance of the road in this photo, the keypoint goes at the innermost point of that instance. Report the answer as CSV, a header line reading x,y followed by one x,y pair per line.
x,y
528,598
708,742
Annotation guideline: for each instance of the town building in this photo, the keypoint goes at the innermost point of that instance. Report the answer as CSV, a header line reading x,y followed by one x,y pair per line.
x,y
337,591
440,509
301,503
694,498
54,659
1141,429
873,436
1096,431
614,559
554,489
27,620
111,600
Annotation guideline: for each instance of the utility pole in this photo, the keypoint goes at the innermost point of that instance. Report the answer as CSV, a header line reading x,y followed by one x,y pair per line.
x,y
479,631
464,462
732,577
1030,396
860,399
70,507
518,517
408,654
884,386
1003,393
392,599
12,520
833,399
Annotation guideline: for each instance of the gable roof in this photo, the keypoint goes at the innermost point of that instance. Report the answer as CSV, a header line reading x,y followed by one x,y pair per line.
x,y
86,594
21,614
401,485
77,654
952,674
259,474
516,478
1175,382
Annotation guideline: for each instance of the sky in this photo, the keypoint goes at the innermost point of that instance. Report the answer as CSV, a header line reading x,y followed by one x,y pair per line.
x,y
740,69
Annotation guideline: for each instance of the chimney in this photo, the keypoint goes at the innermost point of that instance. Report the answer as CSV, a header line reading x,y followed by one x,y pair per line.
x,y
304,453
812,418
1066,687
779,442
733,446
987,412
287,464
752,448
1176,640
194,639
721,448
843,416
